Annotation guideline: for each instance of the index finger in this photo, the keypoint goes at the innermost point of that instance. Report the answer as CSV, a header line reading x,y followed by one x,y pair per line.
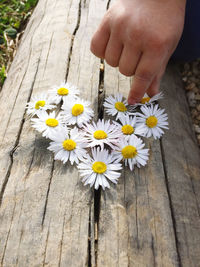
x,y
148,67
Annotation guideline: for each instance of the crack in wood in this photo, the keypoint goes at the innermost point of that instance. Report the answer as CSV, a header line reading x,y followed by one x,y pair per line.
x,y
72,39
153,250
30,165
101,91
193,190
97,193
191,179
170,204
97,202
49,48
89,264
61,241
47,195
136,216
46,242
11,154
108,4
21,236
5,247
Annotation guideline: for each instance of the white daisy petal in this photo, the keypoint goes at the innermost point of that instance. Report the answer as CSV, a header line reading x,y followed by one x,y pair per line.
x,y
101,133
65,91
38,103
147,100
47,124
130,151
76,111
153,121
128,126
70,146
116,106
100,165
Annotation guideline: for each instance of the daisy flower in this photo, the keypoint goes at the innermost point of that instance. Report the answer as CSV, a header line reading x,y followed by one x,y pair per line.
x,y
38,103
153,119
128,126
115,105
146,100
99,169
77,111
63,91
132,152
68,145
101,133
47,124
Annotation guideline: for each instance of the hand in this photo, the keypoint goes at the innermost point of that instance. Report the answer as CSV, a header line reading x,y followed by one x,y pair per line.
x,y
139,36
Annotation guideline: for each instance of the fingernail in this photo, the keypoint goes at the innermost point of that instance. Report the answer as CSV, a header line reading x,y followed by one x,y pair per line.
x,y
131,101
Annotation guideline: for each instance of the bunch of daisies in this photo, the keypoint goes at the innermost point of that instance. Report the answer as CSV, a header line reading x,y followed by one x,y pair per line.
x,y
99,149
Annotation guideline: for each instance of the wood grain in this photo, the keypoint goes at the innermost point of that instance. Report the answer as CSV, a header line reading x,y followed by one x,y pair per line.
x,y
181,160
136,227
45,211
47,216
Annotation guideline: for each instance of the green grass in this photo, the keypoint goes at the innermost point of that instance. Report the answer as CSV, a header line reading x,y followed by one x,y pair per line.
x,y
13,18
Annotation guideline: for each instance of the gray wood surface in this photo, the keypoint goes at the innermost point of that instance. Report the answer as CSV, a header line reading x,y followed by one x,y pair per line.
x,y
152,215
47,217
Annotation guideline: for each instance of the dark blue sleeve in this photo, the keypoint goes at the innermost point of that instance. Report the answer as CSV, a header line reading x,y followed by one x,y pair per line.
x,y
189,45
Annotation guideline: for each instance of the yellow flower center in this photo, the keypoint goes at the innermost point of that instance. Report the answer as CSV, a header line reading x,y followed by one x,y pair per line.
x,y
145,100
77,109
127,129
120,106
69,145
129,152
52,122
99,134
40,103
99,167
151,121
63,91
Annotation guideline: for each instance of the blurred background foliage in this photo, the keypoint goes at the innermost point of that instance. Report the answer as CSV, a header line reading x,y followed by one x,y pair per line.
x,y
14,15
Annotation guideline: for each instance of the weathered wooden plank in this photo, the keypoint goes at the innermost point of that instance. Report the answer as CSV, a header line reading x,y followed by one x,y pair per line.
x,y
41,38
135,227
46,215
83,71
182,170
153,216
45,212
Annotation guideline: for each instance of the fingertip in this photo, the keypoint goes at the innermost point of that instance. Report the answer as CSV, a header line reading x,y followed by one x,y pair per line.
x,y
136,94
131,101
152,93
154,87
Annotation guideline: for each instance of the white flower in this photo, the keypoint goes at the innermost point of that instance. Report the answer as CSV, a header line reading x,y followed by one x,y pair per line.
x,y
99,169
116,106
47,124
132,152
146,100
63,91
129,126
77,111
68,146
102,132
153,119
38,103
